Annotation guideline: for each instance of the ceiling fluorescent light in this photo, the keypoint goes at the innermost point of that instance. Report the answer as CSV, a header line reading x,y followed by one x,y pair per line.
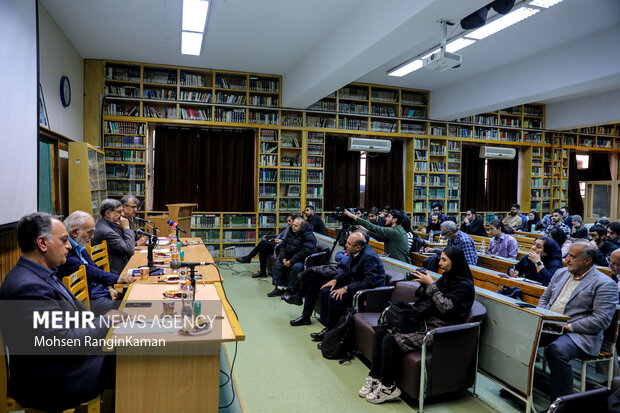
x,y
458,44
502,23
545,4
191,43
195,15
406,69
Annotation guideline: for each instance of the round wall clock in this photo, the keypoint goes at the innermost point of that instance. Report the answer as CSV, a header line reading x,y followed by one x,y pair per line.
x,y
65,91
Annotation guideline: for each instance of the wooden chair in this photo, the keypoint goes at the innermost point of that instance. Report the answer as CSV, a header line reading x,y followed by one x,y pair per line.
x,y
99,254
77,284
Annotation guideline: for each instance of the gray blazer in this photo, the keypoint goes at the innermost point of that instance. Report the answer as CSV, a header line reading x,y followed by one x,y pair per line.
x,y
591,306
120,249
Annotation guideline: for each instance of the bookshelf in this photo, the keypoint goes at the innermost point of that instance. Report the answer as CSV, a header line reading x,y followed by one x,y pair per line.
x,y
315,162
87,178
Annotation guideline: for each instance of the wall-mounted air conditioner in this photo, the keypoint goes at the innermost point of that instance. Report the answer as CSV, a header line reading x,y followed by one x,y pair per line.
x,y
369,145
493,152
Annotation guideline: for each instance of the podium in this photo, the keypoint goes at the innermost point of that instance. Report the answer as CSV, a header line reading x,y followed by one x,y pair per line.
x,y
181,213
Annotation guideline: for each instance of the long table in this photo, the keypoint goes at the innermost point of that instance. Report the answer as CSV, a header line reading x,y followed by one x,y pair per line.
x,y
509,338
183,374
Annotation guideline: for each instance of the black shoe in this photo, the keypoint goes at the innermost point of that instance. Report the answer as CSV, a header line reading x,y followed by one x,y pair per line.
x,y
318,336
259,275
292,299
300,321
244,260
276,292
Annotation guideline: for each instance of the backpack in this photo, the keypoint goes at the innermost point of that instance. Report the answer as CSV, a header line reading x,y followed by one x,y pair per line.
x,y
338,342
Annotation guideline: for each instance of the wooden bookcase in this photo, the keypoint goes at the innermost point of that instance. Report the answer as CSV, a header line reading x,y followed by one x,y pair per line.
x,y
87,178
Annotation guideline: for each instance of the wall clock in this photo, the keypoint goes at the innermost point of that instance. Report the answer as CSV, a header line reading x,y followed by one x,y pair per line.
x,y
65,91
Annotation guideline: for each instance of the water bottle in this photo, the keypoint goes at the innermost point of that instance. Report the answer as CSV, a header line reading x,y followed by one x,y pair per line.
x,y
174,255
187,311
482,248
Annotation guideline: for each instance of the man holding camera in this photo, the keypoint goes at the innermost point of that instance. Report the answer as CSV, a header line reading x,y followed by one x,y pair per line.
x,y
393,235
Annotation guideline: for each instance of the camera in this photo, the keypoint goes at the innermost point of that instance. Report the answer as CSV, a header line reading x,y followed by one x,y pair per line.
x,y
344,220
412,276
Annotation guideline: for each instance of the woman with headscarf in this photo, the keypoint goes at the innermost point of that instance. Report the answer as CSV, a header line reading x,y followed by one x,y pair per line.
x,y
448,301
532,221
544,259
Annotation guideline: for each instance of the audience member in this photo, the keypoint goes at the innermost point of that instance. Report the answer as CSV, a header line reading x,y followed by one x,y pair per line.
x,y
296,247
437,208
513,219
113,227
556,222
605,248
544,222
48,382
472,224
458,239
448,301
385,210
363,270
375,218
434,227
313,219
130,207
81,228
578,231
589,298
533,220
543,260
522,215
613,233
392,235
359,212
614,266
561,239
566,217
265,248
602,221
502,245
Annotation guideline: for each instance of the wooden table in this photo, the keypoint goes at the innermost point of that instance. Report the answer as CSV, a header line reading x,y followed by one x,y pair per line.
x,y
183,374
193,253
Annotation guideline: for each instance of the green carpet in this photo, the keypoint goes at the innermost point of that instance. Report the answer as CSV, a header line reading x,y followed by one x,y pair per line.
x,y
279,369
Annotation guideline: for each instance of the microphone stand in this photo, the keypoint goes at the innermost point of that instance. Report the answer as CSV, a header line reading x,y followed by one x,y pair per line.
x,y
152,240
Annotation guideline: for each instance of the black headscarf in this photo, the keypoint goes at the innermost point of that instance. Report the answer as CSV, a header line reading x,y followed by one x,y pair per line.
x,y
458,285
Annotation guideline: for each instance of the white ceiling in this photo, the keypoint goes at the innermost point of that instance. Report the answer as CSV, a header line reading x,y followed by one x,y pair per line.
x,y
321,45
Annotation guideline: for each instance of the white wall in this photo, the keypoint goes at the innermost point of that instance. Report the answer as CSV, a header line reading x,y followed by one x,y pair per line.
x,y
602,107
58,57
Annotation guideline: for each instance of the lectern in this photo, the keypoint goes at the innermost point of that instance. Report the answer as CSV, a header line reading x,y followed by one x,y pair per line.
x,y
181,213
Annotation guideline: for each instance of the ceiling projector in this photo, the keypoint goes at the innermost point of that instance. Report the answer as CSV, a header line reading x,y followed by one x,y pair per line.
x,y
442,60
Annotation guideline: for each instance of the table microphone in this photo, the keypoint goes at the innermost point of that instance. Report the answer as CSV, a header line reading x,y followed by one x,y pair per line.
x,y
143,220
140,232
175,225
175,265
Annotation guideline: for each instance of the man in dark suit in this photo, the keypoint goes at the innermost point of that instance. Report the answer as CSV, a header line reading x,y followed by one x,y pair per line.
x,y
44,381
313,219
364,270
130,207
589,298
81,228
472,224
114,228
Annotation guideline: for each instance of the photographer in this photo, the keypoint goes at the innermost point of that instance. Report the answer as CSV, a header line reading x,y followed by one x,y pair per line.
x,y
446,302
392,235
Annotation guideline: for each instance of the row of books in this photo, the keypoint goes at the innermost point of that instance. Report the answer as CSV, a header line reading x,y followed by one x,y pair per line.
x,y
160,76
290,205
155,112
353,93
206,221
168,94
125,155
353,108
327,105
384,95
239,221
382,110
210,235
289,141
315,150
195,114
459,132
239,236
532,123
230,115
190,79
193,96
264,85
267,190
314,177
125,73
420,155
230,82
320,122
122,91
314,191
292,120
268,175
267,205
124,141
290,175
413,99
316,137
314,162
268,160
268,147
230,99
121,109
291,160
126,187
378,126
417,128
265,118
125,171
413,113
258,100
268,135
352,124
267,220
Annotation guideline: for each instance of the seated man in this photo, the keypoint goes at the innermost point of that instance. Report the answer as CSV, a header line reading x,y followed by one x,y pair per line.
x,y
375,218
393,235
434,227
473,224
130,207
502,245
265,248
589,298
614,266
113,227
359,212
313,219
578,230
605,248
437,208
298,244
45,381
613,233
459,239
363,270
81,228
513,219
557,222
566,216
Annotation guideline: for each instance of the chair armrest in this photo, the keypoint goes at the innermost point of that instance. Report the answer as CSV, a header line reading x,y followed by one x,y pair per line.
x,y
591,400
268,236
318,258
372,300
456,327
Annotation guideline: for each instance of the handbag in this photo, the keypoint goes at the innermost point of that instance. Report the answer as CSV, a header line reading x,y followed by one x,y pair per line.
x,y
402,317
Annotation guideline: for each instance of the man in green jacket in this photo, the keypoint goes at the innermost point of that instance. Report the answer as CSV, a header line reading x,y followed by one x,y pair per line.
x,y
392,235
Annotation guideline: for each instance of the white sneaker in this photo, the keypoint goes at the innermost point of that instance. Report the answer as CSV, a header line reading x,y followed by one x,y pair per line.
x,y
369,387
382,393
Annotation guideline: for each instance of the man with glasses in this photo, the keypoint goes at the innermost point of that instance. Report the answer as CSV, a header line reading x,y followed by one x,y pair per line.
x,y
457,238
130,207
113,227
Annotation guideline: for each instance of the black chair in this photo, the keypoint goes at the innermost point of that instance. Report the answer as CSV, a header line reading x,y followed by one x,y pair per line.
x,y
588,401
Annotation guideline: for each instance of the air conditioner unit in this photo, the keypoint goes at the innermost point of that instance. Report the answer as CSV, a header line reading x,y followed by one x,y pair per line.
x,y
369,145
491,152
442,60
